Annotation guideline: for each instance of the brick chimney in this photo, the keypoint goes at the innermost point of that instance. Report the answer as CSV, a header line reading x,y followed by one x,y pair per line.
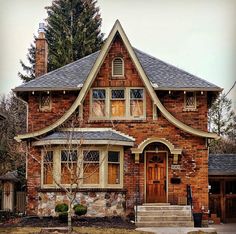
x,y
41,57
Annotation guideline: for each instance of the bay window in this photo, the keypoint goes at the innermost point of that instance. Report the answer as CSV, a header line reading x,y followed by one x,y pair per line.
x,y
99,167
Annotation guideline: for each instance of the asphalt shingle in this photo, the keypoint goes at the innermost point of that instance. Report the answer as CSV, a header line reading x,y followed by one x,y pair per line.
x,y
222,164
87,135
162,75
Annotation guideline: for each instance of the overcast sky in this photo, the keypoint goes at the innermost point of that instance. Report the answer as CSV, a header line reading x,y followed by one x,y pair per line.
x,y
198,36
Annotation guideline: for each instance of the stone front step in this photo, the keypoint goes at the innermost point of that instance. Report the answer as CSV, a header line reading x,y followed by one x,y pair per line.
x,y
156,204
165,224
159,215
168,207
163,218
165,213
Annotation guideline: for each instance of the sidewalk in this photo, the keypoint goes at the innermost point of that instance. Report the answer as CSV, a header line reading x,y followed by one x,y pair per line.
x,y
229,228
176,230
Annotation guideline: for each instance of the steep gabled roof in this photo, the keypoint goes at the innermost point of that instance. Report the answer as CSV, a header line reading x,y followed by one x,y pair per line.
x,y
162,76
222,164
92,75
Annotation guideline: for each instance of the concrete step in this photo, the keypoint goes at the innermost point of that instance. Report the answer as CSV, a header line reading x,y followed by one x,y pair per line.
x,y
165,224
163,218
165,213
154,207
156,204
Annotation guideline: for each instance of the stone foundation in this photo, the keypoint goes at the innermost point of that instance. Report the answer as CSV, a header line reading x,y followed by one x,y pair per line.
x,y
98,204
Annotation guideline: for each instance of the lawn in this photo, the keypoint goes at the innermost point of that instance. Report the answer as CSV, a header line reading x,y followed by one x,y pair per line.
x,y
79,230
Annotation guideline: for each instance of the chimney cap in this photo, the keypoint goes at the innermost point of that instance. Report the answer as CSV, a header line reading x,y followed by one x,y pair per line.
x,y
41,28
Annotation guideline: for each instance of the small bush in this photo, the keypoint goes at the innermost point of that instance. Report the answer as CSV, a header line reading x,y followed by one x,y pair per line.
x,y
80,209
63,207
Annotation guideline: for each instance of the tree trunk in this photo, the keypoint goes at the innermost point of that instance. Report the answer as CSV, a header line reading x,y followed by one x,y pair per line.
x,y
69,219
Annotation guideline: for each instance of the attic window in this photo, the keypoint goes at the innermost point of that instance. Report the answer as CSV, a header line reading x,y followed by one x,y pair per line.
x,y
45,102
118,67
190,101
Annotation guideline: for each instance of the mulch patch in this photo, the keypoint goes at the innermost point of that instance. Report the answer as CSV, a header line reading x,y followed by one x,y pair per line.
x,y
103,222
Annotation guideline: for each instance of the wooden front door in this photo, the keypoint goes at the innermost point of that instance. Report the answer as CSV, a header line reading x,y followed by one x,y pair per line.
x,y
156,177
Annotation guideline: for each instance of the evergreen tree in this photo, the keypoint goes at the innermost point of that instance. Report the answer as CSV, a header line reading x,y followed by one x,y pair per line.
x,y
29,69
73,31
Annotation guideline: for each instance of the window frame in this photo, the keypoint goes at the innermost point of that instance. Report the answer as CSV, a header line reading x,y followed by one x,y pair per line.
x,y
123,69
127,104
103,166
45,108
193,107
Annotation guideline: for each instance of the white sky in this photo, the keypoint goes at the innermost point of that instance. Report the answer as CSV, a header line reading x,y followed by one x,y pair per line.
x,y
198,36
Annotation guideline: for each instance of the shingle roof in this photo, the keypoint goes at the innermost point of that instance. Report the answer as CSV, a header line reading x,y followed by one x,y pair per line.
x,y
87,135
162,75
222,164
10,176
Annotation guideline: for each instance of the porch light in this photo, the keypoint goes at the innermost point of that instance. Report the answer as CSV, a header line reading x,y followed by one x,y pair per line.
x,y
156,149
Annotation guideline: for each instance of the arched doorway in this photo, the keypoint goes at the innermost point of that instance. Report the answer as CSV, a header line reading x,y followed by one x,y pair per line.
x,y
158,154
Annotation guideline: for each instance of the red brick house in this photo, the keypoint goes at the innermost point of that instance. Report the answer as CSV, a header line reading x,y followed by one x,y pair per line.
x,y
152,115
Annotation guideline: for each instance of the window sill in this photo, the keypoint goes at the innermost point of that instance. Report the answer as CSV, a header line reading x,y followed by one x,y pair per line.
x,y
83,190
190,109
142,120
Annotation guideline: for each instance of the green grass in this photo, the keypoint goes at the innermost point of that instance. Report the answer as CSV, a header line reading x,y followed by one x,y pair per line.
x,y
80,230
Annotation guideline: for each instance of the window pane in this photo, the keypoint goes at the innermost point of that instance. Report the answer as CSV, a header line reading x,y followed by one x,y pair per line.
x,y
215,187
113,173
136,93
91,173
68,169
113,156
67,155
48,173
118,94
92,155
136,107
190,99
98,108
117,108
48,157
99,94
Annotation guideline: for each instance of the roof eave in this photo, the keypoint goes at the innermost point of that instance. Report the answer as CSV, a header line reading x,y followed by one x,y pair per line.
x,y
46,89
216,89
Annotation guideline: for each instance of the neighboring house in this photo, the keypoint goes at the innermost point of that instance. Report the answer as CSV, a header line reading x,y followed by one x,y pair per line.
x,y
222,180
152,115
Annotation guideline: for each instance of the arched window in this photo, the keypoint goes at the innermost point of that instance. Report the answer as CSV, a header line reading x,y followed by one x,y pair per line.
x,y
118,67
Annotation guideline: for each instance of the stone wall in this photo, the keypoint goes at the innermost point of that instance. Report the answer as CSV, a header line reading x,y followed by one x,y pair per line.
x,y
98,204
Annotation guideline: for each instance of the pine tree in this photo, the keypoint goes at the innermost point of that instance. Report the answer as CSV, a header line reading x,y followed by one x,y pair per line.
x,y
73,31
29,69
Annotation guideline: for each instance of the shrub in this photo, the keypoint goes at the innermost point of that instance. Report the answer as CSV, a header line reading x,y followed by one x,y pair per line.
x,y
80,209
63,207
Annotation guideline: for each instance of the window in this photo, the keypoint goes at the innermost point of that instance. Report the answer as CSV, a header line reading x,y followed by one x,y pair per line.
x,y
91,167
230,187
215,187
190,101
136,102
117,102
48,168
113,167
98,102
118,67
68,166
44,102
